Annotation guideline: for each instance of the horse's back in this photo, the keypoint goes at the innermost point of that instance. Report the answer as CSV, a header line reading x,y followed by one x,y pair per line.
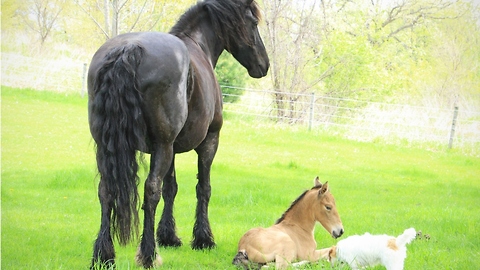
x,y
158,64
165,56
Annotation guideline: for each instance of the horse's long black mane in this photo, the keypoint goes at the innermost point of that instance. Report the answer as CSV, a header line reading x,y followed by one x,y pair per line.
x,y
294,203
226,17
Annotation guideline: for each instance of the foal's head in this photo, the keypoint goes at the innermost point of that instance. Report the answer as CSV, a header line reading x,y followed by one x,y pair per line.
x,y
325,210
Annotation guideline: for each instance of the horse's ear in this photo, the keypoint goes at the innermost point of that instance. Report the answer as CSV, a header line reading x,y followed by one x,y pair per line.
x,y
316,182
323,189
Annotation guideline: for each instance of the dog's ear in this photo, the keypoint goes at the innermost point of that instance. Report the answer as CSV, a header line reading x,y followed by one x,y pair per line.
x,y
332,253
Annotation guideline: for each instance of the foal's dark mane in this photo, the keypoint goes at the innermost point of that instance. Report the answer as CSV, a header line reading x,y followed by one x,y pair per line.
x,y
295,202
226,17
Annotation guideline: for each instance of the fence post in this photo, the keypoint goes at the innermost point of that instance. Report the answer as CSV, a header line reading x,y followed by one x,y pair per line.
x,y
452,131
310,121
84,75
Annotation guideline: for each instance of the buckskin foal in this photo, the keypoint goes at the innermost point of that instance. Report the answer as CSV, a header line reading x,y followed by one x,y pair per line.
x,y
291,238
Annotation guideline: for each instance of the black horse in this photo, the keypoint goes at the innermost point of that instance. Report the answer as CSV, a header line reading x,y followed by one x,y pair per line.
x,y
157,93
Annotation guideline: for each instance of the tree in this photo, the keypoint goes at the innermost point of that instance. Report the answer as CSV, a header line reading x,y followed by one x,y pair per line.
x,y
113,17
351,49
294,44
231,76
408,47
454,77
41,16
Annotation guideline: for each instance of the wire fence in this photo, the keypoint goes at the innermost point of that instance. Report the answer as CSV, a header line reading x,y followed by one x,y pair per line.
x,y
43,74
355,119
362,120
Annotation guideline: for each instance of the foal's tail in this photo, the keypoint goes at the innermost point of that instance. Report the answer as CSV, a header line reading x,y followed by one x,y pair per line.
x,y
118,127
407,237
241,260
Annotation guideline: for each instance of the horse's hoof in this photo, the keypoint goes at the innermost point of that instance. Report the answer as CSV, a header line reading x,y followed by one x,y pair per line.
x,y
172,242
108,265
147,262
206,244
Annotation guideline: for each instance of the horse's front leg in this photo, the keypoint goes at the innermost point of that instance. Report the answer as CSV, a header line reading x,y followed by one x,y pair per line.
x,y
160,162
166,235
103,251
202,233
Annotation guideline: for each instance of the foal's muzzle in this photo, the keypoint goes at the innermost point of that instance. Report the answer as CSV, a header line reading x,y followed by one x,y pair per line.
x,y
337,233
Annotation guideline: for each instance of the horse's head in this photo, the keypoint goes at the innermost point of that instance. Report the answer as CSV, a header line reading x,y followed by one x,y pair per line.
x,y
247,45
326,211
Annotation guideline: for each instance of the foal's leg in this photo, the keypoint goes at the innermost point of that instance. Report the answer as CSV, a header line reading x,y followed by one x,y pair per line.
x,y
103,251
283,260
166,235
159,164
321,254
202,233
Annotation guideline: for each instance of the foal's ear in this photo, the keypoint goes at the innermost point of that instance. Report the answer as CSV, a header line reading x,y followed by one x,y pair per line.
x,y
323,189
316,182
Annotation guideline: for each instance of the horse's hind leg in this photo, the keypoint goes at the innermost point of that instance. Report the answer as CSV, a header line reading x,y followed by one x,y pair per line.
x,y
159,164
202,233
166,235
103,251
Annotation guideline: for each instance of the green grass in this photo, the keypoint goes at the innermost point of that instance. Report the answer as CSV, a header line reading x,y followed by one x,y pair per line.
x,y
50,211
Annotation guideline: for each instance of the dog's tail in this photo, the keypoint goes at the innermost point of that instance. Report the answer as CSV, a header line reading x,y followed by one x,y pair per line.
x,y
407,237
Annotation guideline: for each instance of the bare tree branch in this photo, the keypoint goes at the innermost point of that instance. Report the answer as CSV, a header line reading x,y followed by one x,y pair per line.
x,y
45,14
138,16
89,14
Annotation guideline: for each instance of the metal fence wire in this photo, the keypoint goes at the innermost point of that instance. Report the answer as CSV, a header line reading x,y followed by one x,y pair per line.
x,y
352,118
360,119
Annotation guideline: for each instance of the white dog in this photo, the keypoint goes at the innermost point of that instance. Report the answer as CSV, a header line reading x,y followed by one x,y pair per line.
x,y
360,251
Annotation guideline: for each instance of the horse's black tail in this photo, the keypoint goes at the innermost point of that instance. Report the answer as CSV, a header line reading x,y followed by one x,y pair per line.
x,y
119,129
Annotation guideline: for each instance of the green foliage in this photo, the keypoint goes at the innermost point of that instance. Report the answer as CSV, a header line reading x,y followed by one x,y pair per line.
x,y
82,25
230,73
51,214
10,18
420,52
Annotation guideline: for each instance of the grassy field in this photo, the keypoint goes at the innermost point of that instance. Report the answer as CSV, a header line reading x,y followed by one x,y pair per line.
x,y
50,211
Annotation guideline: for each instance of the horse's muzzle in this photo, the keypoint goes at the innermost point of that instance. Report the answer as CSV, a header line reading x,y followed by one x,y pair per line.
x,y
259,71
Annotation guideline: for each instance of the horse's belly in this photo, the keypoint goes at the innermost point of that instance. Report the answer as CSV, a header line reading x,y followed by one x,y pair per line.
x,y
194,132
190,137
186,144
